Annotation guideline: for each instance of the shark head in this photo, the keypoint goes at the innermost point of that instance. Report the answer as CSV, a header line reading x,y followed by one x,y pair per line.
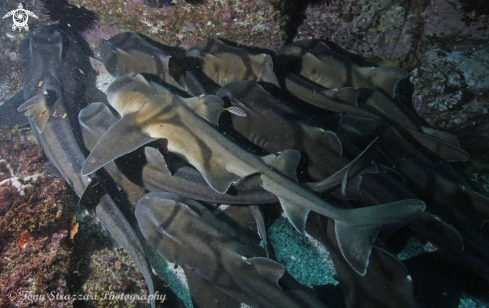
x,y
127,94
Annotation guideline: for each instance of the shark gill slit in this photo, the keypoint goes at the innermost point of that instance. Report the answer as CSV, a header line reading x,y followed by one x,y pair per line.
x,y
127,99
138,102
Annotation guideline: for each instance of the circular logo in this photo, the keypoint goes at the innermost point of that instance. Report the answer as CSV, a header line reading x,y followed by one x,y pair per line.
x,y
20,18
12,295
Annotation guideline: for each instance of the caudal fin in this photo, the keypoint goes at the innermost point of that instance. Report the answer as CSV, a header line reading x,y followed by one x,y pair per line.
x,y
356,234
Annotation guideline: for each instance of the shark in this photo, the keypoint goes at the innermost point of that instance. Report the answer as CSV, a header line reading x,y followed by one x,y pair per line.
x,y
440,182
189,128
153,172
57,79
294,129
127,52
333,80
275,126
184,232
224,63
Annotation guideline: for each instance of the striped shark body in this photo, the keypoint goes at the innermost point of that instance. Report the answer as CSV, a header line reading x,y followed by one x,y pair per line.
x,y
335,80
185,233
150,112
224,64
56,78
127,52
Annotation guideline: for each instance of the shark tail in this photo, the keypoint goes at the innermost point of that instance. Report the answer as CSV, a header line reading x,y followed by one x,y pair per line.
x,y
356,235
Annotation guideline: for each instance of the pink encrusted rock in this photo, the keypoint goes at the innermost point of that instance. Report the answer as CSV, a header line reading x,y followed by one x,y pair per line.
x,y
443,21
391,29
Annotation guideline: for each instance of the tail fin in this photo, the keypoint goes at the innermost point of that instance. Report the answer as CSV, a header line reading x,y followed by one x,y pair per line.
x,y
355,236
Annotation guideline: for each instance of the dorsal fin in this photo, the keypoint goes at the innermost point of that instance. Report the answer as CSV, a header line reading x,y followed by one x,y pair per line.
x,y
208,107
268,269
219,179
287,163
165,59
386,77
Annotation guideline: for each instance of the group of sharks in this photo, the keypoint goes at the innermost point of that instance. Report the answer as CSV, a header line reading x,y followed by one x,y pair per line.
x,y
367,164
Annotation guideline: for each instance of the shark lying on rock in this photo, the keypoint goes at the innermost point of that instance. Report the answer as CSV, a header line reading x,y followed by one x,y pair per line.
x,y
291,128
153,171
150,112
185,233
56,84
224,63
127,52
334,80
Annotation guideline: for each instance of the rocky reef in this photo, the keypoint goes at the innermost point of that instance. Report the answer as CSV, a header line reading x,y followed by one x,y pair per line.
x,y
49,243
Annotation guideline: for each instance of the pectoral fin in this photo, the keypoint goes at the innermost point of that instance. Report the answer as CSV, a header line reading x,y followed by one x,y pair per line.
x,y
297,215
9,116
37,110
123,137
208,107
260,223
154,158
287,163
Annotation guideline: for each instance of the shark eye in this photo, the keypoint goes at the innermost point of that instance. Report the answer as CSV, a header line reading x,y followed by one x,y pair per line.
x,y
133,76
